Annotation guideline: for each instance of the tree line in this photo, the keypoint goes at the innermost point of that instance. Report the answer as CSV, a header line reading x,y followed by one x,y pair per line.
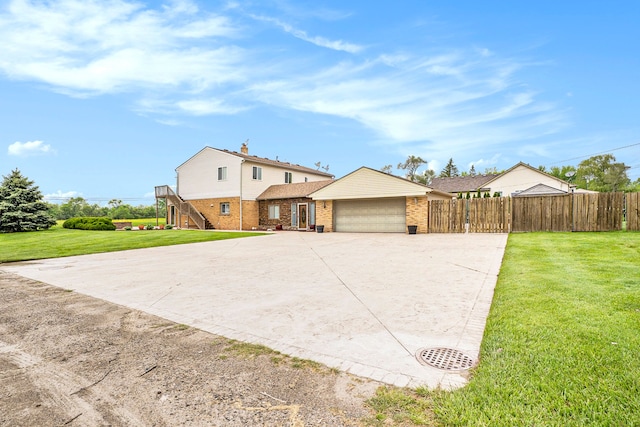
x,y
599,173
115,209
22,207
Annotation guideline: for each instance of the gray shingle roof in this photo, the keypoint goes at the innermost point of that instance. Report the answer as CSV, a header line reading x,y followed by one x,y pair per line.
x,y
284,165
293,190
461,184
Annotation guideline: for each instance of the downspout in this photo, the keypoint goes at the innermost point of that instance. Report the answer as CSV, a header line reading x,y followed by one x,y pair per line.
x,y
241,163
177,194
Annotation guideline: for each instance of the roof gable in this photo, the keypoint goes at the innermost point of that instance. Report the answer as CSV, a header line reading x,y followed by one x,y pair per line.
x,y
540,190
524,165
367,183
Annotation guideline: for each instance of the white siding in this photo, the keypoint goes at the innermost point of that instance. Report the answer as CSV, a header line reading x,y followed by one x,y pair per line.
x,y
198,176
522,178
367,183
271,175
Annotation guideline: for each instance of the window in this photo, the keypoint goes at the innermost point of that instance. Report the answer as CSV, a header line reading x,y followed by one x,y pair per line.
x,y
225,208
294,213
257,173
288,177
222,173
274,212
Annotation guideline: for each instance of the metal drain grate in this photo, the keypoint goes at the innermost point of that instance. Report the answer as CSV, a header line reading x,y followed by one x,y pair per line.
x,y
448,359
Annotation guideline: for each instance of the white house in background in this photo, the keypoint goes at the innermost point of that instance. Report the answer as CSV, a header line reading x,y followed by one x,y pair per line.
x,y
521,179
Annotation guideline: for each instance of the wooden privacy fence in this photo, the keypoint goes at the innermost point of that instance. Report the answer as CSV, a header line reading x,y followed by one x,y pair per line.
x,y
632,211
572,212
490,215
550,213
598,212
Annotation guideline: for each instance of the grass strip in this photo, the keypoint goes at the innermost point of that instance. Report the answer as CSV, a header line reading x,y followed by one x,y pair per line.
x,y
60,242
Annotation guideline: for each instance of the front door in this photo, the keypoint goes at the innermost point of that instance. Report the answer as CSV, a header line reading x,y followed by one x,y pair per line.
x,y
302,216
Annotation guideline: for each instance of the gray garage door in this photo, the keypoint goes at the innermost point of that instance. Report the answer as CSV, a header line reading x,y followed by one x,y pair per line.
x,y
370,216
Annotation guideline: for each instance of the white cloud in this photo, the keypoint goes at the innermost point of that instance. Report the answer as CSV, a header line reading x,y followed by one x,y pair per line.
x,y
179,60
317,40
61,196
30,148
451,103
203,107
93,47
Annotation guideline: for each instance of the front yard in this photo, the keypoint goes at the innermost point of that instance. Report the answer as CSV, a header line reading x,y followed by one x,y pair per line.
x,y
60,242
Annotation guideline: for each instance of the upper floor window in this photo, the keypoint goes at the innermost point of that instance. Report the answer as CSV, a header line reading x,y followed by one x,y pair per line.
x,y
288,177
257,173
222,173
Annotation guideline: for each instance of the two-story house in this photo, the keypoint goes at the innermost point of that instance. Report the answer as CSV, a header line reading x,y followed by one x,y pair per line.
x,y
218,188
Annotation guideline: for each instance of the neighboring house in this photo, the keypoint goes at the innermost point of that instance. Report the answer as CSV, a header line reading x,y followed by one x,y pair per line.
x,y
462,184
520,179
219,188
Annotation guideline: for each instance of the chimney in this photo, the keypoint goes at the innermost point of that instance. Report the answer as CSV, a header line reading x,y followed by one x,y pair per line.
x,y
245,147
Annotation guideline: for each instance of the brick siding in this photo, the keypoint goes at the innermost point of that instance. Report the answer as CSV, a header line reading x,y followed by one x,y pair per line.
x,y
285,212
324,214
417,212
210,209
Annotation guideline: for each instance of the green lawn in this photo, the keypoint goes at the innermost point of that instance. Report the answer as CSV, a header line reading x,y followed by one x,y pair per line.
x,y
562,342
59,242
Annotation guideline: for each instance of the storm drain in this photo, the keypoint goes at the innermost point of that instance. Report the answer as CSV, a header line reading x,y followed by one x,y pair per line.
x,y
448,359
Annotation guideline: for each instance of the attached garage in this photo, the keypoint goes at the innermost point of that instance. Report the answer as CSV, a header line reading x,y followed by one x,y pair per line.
x,y
371,215
370,201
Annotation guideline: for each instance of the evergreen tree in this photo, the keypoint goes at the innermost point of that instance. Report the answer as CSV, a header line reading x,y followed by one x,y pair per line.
x,y
21,205
449,170
472,171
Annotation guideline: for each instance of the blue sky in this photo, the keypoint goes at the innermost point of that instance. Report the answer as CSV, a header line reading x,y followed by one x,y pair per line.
x,y
104,99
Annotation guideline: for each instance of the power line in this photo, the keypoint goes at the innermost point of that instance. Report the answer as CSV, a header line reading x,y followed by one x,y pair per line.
x,y
596,154
99,199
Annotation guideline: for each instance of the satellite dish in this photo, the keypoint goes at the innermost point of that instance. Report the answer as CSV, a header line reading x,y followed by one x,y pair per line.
x,y
569,174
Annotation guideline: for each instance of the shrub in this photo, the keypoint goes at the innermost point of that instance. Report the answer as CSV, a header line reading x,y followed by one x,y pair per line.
x,y
90,223
149,227
168,227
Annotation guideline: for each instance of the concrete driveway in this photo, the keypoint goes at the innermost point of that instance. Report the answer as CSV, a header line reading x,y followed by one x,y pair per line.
x,y
363,303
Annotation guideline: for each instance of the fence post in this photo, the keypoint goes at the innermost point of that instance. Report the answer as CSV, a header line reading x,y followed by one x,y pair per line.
x,y
573,215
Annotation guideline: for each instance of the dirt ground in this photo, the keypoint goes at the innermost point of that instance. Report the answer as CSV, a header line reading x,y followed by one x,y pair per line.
x,y
68,359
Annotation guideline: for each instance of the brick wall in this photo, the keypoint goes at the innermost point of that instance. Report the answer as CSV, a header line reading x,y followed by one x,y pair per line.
x,y
250,219
210,209
285,212
324,214
418,213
